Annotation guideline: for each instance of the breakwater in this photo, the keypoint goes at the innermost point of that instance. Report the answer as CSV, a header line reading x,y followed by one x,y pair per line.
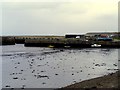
x,y
69,43
56,42
12,40
22,39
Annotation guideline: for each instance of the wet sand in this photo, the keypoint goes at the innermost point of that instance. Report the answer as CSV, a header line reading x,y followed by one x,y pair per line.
x,y
107,81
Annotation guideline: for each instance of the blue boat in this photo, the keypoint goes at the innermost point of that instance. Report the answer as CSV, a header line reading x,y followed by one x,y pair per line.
x,y
104,39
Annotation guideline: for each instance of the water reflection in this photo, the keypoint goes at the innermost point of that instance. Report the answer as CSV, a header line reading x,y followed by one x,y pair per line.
x,y
106,51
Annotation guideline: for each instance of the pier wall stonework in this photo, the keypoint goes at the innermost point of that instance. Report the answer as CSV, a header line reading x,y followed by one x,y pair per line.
x,y
7,41
75,43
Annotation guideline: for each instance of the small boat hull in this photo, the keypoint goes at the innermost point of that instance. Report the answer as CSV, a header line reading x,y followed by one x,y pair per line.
x,y
95,45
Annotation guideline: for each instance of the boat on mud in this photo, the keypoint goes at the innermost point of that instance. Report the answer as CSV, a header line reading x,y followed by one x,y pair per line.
x,y
95,45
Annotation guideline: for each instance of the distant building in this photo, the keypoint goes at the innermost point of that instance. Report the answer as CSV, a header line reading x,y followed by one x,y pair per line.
x,y
74,36
103,33
104,36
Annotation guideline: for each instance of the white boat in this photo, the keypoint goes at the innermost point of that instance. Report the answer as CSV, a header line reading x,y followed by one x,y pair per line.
x,y
95,45
67,46
51,46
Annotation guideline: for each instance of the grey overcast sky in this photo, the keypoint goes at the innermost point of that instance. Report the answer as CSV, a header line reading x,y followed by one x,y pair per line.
x,y
58,17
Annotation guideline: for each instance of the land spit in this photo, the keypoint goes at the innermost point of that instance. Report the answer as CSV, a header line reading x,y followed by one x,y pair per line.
x,y
69,43
110,81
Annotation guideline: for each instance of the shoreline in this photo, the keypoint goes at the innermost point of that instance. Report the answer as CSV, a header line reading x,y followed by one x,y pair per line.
x,y
60,41
107,81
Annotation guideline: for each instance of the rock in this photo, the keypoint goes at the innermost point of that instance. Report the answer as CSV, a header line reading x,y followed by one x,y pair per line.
x,y
103,64
43,83
33,71
42,71
15,78
20,73
40,76
94,87
74,81
115,64
72,67
61,50
56,74
18,62
23,86
97,65
72,73
40,59
7,86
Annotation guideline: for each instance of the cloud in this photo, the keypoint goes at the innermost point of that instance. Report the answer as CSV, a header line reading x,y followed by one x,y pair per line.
x,y
59,17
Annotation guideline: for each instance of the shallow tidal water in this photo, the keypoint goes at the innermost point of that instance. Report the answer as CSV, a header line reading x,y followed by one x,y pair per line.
x,y
38,67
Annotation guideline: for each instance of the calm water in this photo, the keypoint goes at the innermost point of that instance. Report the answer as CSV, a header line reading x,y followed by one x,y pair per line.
x,y
35,67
